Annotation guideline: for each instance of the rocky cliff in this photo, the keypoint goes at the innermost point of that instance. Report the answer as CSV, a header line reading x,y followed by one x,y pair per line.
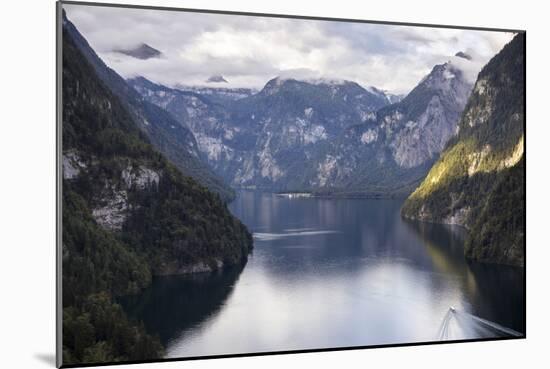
x,y
479,180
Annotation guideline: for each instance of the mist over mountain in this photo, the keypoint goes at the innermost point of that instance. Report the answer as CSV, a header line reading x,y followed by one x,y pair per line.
x,y
219,95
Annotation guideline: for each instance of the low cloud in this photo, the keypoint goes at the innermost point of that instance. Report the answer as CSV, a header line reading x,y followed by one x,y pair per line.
x,y
248,51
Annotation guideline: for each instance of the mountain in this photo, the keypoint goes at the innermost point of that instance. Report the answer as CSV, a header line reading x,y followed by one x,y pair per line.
x,y
479,182
265,140
207,119
171,138
391,152
219,95
328,136
128,213
216,79
142,51
430,111
293,122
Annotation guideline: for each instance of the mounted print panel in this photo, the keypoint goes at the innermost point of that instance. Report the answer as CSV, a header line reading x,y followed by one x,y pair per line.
x,y
243,184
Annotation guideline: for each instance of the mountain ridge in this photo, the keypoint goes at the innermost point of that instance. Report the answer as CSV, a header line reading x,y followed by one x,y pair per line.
x,y
312,134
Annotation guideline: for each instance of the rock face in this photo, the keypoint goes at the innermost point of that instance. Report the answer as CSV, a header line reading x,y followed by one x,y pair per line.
x,y
479,180
72,165
421,124
140,178
111,209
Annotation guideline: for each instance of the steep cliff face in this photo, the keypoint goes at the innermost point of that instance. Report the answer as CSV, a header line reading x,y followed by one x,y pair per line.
x,y
128,213
172,138
419,127
479,180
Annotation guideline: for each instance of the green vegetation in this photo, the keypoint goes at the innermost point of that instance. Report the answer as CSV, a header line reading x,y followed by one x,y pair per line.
x,y
159,221
478,182
98,331
498,233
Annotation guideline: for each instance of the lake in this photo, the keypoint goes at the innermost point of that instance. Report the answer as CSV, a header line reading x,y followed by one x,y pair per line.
x,y
333,273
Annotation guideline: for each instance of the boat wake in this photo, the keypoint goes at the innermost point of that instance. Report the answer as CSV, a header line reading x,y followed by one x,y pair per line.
x,y
457,325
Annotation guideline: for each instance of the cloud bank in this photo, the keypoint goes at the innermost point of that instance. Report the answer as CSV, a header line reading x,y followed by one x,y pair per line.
x,y
249,51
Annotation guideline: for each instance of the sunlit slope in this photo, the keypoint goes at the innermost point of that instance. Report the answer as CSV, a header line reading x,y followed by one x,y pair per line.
x,y
478,182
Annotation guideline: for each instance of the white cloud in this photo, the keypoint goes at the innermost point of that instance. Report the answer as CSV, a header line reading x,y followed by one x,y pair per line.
x,y
248,51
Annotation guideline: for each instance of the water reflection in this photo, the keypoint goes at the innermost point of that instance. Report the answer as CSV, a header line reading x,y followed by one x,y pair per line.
x,y
173,305
493,292
331,273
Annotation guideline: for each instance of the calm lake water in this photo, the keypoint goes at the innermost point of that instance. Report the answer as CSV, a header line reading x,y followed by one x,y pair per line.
x,y
332,273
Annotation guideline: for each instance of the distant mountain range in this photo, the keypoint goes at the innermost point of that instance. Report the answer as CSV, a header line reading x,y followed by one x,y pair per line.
x,y
478,182
327,136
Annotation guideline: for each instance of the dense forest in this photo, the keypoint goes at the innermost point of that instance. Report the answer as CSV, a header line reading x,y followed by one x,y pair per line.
x,y
128,214
479,182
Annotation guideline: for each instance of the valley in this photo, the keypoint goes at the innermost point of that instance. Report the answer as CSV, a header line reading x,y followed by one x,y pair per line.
x,y
299,212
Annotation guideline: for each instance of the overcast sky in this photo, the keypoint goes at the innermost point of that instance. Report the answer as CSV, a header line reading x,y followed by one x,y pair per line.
x,y
249,51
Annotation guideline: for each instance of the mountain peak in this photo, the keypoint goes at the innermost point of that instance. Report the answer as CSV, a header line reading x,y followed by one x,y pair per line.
x,y
216,79
282,82
443,77
463,55
314,81
142,51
